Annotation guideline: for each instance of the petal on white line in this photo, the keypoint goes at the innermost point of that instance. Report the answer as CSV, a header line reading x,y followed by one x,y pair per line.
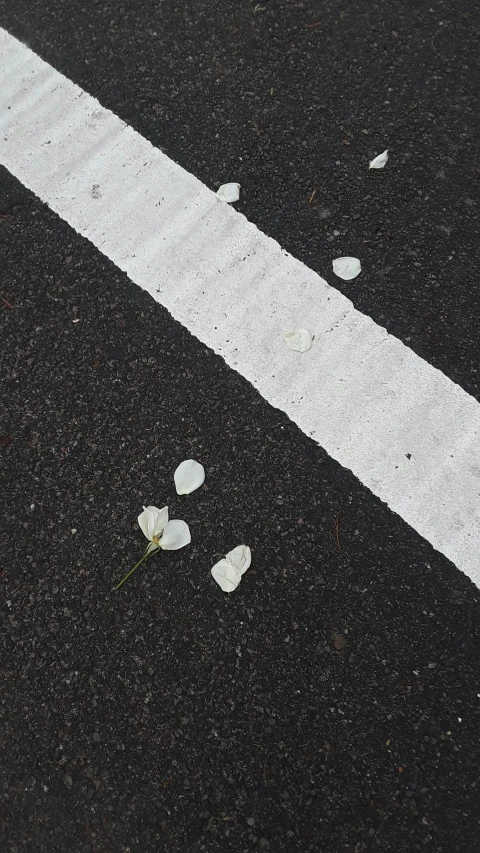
x,y
379,161
226,575
176,535
347,268
189,476
229,193
240,558
298,339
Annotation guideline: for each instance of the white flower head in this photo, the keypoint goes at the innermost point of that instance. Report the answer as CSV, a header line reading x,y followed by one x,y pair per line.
x,y
162,533
228,572
190,475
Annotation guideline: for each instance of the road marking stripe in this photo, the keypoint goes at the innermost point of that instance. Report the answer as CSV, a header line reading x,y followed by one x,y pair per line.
x,y
407,431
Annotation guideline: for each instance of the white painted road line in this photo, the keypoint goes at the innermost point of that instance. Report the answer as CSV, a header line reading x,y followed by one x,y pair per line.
x,y
408,432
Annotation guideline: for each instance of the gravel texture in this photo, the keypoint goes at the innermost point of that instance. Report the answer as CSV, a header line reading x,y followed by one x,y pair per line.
x,y
293,97
330,704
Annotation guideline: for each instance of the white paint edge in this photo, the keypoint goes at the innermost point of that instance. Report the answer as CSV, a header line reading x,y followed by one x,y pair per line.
x,y
359,392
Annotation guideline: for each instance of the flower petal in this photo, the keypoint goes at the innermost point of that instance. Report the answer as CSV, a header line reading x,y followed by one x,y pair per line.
x,y
379,161
152,521
229,193
240,558
226,575
175,536
144,520
189,476
160,520
347,268
298,339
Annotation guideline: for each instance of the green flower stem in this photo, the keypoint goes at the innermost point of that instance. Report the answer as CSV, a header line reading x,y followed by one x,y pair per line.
x,y
149,551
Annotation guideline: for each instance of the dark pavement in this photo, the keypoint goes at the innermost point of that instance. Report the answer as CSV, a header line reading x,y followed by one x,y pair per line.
x,y
331,703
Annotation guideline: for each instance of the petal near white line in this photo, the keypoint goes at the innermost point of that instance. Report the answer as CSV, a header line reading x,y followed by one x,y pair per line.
x,y
347,268
229,193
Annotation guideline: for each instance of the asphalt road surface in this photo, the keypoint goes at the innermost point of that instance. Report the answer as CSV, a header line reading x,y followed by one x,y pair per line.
x,y
331,703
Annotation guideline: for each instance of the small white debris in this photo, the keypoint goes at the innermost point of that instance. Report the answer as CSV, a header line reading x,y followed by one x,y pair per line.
x,y
77,320
298,340
32,506
229,193
73,531
189,476
347,268
379,161
228,572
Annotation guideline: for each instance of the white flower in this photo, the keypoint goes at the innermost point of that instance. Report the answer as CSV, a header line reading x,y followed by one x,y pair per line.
x,y
228,572
298,339
162,533
189,476
347,268
229,193
379,161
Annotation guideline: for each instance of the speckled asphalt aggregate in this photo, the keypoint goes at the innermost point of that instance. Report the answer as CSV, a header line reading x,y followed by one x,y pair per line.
x,y
331,703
